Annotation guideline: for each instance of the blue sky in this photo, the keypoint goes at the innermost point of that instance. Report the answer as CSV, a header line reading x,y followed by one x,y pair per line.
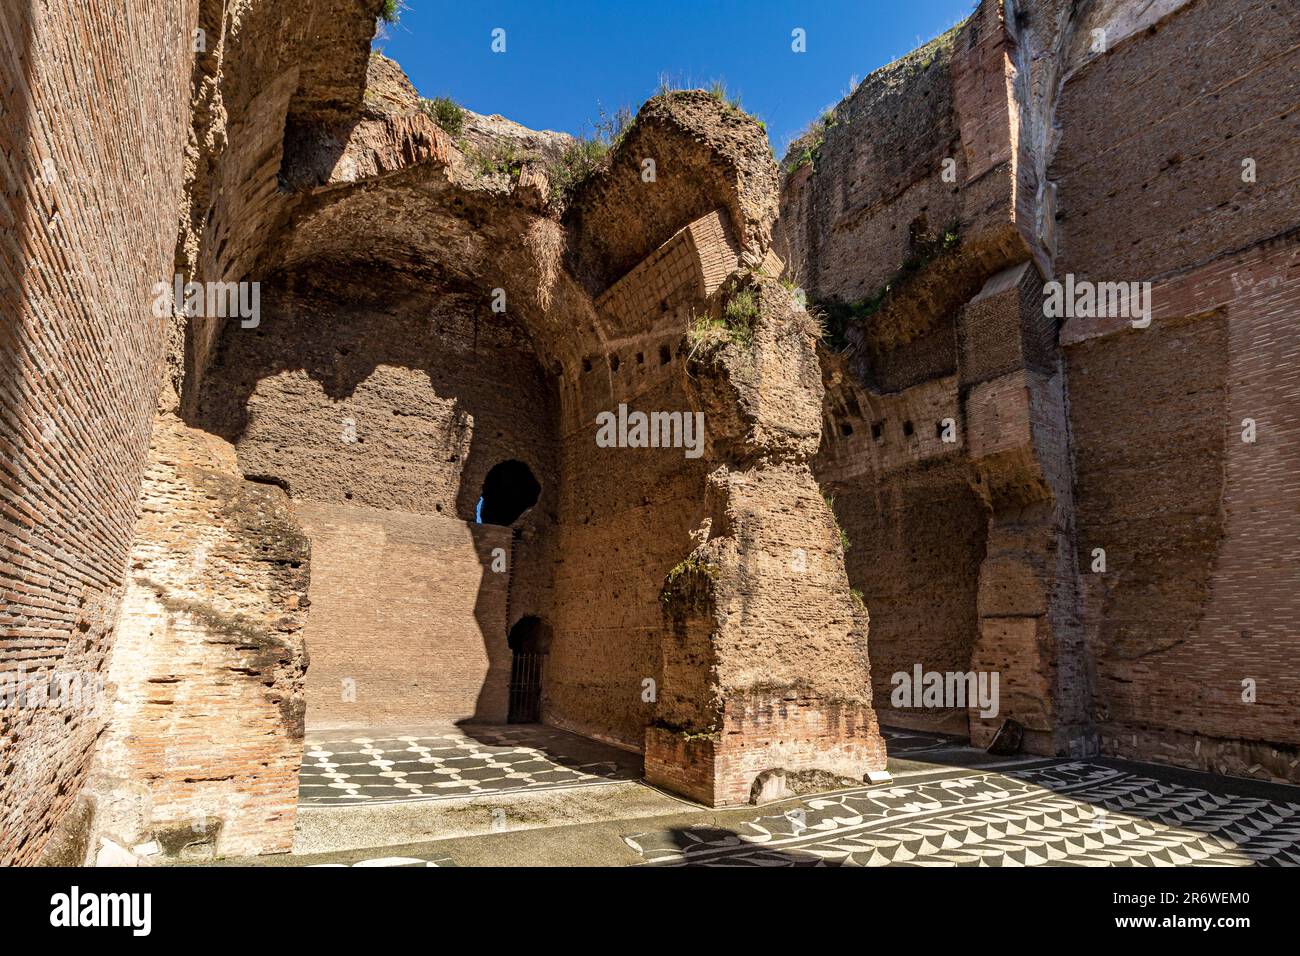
x,y
566,58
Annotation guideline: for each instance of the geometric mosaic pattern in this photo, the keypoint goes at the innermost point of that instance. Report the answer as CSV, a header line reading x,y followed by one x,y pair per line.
x,y
378,768
1060,814
911,744
393,861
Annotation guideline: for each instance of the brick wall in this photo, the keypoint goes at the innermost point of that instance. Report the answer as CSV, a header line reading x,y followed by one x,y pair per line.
x,y
764,732
408,619
90,175
627,513
382,421
1146,183
268,67
205,735
1199,527
1149,167
1196,525
916,542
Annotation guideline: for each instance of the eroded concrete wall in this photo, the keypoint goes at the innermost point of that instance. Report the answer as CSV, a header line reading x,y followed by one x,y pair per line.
x,y
381,410
401,403
627,514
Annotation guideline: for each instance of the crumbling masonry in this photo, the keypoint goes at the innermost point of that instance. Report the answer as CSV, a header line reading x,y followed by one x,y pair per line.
x,y
191,507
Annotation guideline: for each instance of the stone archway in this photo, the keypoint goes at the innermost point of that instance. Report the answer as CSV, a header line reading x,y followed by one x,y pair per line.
x,y
680,625
509,490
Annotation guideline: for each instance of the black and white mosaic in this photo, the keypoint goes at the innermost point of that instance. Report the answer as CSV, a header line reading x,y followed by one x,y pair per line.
x,y
366,768
385,861
1064,814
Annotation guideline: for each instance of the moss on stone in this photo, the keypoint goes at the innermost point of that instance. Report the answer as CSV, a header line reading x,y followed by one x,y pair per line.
x,y
686,575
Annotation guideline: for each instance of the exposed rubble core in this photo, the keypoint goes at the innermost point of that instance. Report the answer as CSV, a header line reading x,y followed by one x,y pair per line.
x,y
902,459
207,670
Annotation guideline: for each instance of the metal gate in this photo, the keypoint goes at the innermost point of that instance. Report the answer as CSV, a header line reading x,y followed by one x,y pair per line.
x,y
526,688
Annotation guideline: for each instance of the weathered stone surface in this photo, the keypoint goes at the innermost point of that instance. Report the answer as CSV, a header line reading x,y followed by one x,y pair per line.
x,y
485,133
206,726
1112,158
956,458
707,155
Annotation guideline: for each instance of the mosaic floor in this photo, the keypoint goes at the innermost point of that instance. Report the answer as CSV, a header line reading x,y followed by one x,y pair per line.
x,y
1060,813
349,768
444,861
949,805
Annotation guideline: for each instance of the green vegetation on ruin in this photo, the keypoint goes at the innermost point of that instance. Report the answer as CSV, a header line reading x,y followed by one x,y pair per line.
x,y
735,325
691,565
731,101
446,112
689,585
500,157
718,90
807,147
588,153
838,316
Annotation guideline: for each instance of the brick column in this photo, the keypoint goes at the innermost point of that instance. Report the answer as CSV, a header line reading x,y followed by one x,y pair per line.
x,y
1029,610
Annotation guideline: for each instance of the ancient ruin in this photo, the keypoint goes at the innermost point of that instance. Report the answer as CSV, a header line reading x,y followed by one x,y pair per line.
x,y
994,373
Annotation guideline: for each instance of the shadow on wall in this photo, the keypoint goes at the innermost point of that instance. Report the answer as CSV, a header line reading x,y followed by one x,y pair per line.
x,y
509,493
916,543
529,640
417,441
375,434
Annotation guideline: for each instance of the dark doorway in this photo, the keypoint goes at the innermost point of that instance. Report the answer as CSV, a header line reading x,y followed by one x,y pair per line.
x,y
529,653
508,491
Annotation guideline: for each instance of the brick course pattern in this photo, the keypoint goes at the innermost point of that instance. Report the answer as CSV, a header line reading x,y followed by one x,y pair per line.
x,y
702,609
1199,527
408,619
205,736
90,176
1094,434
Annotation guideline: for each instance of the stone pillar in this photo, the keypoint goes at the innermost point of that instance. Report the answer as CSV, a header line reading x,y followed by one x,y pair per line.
x,y
764,655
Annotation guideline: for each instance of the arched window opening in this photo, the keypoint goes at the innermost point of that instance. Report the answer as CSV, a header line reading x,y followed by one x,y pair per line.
x,y
508,491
